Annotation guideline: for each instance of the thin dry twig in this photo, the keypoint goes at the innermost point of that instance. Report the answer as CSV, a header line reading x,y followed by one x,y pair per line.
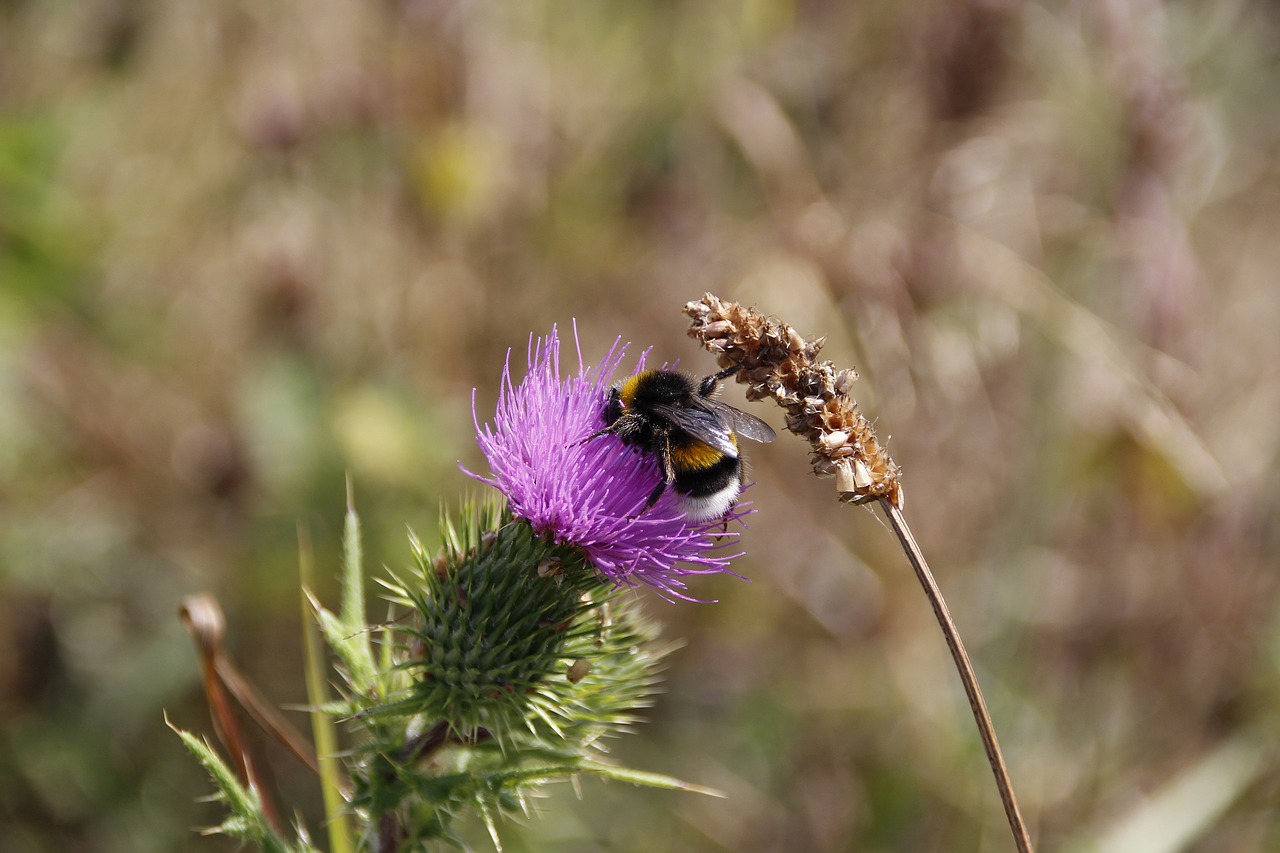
x,y
202,617
776,362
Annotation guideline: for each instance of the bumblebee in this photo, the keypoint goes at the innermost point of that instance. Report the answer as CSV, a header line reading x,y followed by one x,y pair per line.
x,y
694,437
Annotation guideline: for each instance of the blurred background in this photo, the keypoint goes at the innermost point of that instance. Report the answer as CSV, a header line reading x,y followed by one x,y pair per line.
x,y
247,247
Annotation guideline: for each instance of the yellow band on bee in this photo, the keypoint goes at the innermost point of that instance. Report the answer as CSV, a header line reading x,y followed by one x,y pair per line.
x,y
694,457
627,393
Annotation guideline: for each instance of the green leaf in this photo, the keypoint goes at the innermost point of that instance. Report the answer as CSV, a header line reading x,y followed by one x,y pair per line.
x,y
247,820
648,780
358,652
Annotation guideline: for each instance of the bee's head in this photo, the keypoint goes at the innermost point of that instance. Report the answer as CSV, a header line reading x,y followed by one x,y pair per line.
x,y
613,409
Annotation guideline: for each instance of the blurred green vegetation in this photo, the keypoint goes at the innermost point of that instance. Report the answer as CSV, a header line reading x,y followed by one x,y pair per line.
x,y
246,248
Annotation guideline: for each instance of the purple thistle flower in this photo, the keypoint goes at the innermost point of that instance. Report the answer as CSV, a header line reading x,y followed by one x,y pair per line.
x,y
591,494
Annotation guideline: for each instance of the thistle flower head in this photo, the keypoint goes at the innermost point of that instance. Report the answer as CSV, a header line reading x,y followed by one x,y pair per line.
x,y
591,494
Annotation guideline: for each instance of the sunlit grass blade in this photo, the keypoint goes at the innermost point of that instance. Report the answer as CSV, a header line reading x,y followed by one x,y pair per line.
x,y
337,820
1186,808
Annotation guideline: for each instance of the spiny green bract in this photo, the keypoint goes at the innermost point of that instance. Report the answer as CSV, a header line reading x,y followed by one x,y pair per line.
x,y
515,659
512,633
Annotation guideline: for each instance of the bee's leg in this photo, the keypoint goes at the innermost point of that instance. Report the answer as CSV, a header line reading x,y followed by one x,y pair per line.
x,y
653,497
708,384
609,430
612,415
728,513
668,472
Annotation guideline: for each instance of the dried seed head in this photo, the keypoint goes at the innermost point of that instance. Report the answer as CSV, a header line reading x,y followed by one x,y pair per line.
x,y
578,670
773,360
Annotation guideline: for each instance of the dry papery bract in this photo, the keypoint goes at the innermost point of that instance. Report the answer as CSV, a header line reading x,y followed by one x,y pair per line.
x,y
774,361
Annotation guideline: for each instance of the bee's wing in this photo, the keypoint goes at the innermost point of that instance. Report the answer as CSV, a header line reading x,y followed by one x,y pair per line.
x,y
702,424
748,426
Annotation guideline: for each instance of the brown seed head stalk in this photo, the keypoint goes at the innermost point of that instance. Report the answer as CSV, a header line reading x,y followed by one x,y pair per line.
x,y
775,361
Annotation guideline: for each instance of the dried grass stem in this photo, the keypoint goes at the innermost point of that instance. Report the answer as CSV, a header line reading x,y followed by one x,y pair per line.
x,y
774,361
986,729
